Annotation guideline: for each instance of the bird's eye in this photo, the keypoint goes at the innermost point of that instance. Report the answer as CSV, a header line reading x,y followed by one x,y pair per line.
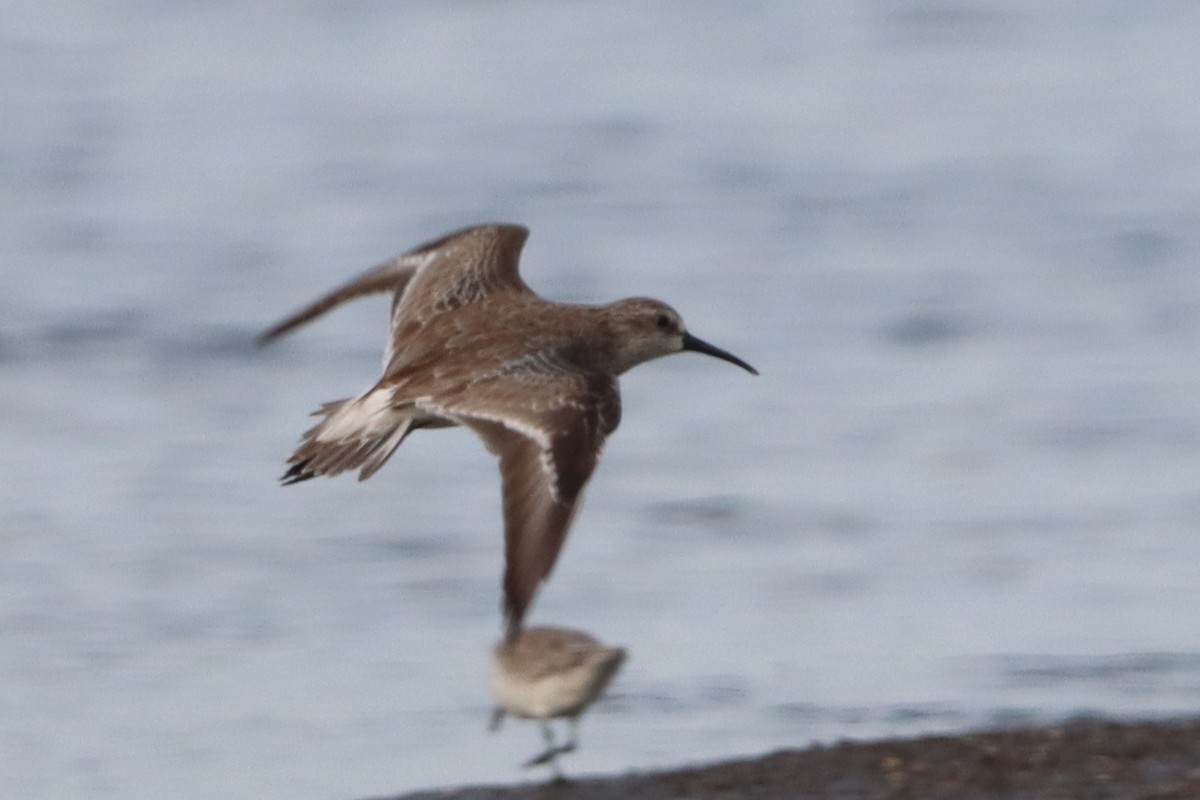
x,y
662,321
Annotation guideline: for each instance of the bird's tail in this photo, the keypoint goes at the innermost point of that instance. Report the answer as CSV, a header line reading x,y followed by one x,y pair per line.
x,y
356,432
609,662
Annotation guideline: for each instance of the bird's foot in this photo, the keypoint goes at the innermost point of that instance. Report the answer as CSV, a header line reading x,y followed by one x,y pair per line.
x,y
549,756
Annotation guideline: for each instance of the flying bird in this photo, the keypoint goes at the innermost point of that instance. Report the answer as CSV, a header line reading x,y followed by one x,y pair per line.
x,y
472,345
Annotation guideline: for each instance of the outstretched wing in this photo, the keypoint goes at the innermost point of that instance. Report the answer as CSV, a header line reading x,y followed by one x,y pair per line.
x,y
390,276
547,421
464,267
470,263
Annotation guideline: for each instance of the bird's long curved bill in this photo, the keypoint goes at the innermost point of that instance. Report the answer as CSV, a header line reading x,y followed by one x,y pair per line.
x,y
700,346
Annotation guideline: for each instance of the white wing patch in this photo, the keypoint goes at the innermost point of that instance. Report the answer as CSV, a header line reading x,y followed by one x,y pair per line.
x,y
547,461
539,435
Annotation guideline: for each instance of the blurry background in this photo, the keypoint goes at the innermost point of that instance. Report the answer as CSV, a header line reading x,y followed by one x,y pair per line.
x,y
959,240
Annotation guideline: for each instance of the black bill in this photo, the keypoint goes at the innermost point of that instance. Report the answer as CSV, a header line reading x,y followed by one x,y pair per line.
x,y
700,346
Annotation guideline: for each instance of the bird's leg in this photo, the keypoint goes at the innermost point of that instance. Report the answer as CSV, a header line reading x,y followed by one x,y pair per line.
x,y
552,752
497,718
551,747
573,739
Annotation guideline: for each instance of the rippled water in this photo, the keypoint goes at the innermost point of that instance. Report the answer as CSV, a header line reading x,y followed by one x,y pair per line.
x,y
959,240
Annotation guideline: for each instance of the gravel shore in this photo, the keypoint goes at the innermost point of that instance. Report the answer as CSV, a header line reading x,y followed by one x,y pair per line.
x,y
1084,759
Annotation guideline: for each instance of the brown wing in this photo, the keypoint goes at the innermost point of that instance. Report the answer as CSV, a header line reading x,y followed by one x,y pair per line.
x,y
471,262
390,276
548,441
461,268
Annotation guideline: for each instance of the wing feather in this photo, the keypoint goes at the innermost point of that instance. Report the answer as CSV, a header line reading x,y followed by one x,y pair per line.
x,y
390,276
548,443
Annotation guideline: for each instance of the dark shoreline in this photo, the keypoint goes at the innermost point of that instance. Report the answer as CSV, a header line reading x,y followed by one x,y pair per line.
x,y
1084,759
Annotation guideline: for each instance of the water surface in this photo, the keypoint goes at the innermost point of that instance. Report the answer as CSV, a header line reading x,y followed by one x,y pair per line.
x,y
959,240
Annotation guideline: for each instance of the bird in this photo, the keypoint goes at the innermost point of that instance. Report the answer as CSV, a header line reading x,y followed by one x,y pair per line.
x,y
472,345
548,673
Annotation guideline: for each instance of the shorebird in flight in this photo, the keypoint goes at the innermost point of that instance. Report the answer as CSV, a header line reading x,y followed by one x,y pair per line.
x,y
472,345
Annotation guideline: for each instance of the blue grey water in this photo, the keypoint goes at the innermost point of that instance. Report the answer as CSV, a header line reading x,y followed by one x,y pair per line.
x,y
960,240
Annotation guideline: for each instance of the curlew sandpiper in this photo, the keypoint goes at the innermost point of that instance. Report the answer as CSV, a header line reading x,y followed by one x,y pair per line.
x,y
472,345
